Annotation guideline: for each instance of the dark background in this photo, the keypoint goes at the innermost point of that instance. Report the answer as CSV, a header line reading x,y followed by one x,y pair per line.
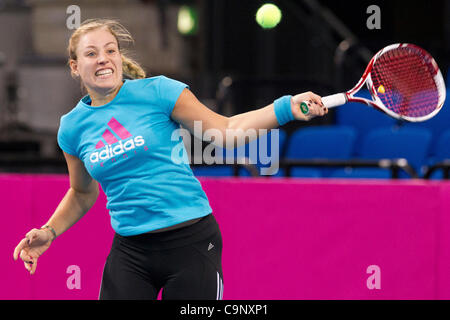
x,y
300,54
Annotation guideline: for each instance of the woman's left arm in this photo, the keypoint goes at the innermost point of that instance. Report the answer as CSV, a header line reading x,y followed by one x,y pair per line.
x,y
189,109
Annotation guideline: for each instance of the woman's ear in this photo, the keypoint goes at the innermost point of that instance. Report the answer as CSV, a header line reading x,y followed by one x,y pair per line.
x,y
74,68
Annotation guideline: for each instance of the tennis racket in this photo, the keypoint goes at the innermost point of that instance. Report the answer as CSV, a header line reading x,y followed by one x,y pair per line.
x,y
404,81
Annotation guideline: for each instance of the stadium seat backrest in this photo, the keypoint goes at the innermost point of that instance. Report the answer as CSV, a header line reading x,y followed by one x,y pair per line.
x,y
326,142
438,124
441,149
410,143
362,117
262,145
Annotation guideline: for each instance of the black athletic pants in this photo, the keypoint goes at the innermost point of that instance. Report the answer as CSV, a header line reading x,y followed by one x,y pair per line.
x,y
185,263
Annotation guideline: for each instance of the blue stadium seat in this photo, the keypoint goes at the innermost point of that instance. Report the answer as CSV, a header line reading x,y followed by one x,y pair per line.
x,y
321,142
438,124
362,117
440,152
262,146
410,143
441,149
266,153
325,142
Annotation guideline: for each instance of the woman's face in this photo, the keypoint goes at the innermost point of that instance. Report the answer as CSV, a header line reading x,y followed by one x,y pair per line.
x,y
99,63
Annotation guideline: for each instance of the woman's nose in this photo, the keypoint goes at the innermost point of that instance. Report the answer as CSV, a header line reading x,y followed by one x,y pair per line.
x,y
102,58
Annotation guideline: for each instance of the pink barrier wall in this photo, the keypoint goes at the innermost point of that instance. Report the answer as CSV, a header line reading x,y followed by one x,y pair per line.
x,y
283,239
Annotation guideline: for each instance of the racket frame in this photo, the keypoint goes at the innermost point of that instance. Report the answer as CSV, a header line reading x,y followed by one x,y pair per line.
x,y
349,96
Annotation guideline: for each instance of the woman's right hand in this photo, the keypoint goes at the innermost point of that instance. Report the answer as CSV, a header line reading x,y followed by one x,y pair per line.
x,y
29,249
316,107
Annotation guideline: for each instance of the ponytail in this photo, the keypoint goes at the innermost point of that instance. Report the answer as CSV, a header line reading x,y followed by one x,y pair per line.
x,y
131,68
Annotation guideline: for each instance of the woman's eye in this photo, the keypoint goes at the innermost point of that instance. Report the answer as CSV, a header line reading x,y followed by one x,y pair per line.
x,y
111,51
90,54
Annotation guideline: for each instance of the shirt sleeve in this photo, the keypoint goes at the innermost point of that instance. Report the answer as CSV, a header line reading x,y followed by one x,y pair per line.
x,y
169,92
64,140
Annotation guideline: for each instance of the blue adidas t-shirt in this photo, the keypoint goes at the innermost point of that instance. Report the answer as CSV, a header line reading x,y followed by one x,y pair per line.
x,y
128,146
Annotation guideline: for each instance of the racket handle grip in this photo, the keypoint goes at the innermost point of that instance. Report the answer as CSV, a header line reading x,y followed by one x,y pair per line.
x,y
332,101
335,100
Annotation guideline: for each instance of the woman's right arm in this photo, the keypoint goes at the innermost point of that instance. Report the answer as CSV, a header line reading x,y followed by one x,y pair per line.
x,y
80,197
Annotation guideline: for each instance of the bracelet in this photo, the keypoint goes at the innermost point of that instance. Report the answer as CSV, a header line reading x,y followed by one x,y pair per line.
x,y
46,226
283,111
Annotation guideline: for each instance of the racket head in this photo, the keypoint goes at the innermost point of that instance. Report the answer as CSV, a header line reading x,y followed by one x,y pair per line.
x,y
405,82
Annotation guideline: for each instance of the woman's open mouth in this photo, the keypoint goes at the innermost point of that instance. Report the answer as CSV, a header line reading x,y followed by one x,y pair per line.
x,y
104,73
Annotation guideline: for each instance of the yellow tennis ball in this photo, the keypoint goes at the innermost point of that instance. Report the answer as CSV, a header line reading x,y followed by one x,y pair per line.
x,y
381,89
268,16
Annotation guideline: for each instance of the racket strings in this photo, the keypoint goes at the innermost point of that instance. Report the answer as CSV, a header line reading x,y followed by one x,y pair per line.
x,y
407,77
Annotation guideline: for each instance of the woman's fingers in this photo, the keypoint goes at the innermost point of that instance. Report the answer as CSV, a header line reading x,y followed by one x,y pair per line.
x,y
316,109
315,106
22,244
25,256
31,235
310,96
316,99
28,261
30,266
33,266
23,251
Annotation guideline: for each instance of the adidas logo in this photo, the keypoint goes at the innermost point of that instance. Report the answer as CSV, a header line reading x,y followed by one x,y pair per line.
x,y
107,150
210,246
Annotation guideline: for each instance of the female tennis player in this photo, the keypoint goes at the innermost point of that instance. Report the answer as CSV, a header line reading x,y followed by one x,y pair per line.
x,y
119,134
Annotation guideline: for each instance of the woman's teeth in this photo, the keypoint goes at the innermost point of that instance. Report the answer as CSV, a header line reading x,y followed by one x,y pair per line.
x,y
104,72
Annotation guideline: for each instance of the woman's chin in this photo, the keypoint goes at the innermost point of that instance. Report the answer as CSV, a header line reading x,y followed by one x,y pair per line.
x,y
105,87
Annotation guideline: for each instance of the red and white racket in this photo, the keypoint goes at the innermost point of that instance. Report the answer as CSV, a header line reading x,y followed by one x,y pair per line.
x,y
404,81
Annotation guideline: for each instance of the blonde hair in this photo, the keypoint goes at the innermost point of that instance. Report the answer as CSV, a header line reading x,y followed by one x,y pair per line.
x,y
130,67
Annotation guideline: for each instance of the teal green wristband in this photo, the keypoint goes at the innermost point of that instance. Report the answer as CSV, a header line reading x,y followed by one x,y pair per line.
x,y
283,111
